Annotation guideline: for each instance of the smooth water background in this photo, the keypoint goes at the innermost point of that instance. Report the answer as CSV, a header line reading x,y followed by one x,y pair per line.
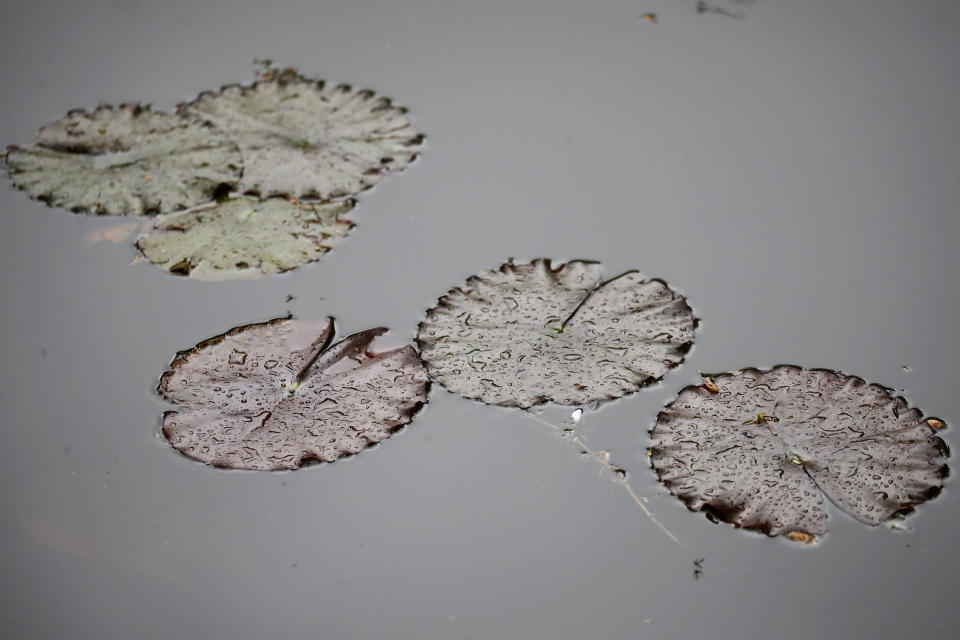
x,y
794,173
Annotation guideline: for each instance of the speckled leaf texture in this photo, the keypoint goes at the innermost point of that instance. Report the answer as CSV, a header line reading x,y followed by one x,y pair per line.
x,y
245,237
301,138
126,160
532,333
766,450
276,395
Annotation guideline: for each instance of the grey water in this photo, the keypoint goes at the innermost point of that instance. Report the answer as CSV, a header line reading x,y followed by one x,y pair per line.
x,y
794,173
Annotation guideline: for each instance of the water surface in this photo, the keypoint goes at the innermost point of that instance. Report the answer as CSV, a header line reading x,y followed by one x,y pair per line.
x,y
794,174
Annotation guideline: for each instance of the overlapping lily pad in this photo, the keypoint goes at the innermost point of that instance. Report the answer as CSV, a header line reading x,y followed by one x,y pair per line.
x,y
762,449
278,394
125,160
303,138
531,333
246,237
284,135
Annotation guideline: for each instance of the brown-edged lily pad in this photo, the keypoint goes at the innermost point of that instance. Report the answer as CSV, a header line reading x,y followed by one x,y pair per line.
x,y
531,333
281,393
303,138
125,160
768,447
245,237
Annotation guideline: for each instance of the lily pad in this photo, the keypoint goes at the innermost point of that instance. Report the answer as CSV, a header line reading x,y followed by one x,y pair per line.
x,y
765,448
246,237
531,333
301,138
125,160
278,394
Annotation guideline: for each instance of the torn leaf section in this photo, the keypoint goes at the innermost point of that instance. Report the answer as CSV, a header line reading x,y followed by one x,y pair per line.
x,y
126,160
531,333
301,138
766,449
278,394
245,237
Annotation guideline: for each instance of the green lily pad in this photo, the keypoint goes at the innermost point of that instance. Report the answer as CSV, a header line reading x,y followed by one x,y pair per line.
x,y
279,394
762,449
301,138
245,237
532,333
126,160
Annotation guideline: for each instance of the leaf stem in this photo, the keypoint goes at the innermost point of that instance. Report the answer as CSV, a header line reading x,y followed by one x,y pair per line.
x,y
605,462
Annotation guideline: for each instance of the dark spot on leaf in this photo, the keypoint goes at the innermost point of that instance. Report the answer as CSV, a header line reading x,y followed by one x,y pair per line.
x,y
181,268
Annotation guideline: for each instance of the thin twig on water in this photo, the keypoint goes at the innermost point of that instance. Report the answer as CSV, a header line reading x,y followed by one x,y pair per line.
x,y
604,460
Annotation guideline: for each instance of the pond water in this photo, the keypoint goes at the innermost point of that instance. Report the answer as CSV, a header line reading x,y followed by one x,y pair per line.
x,y
793,173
